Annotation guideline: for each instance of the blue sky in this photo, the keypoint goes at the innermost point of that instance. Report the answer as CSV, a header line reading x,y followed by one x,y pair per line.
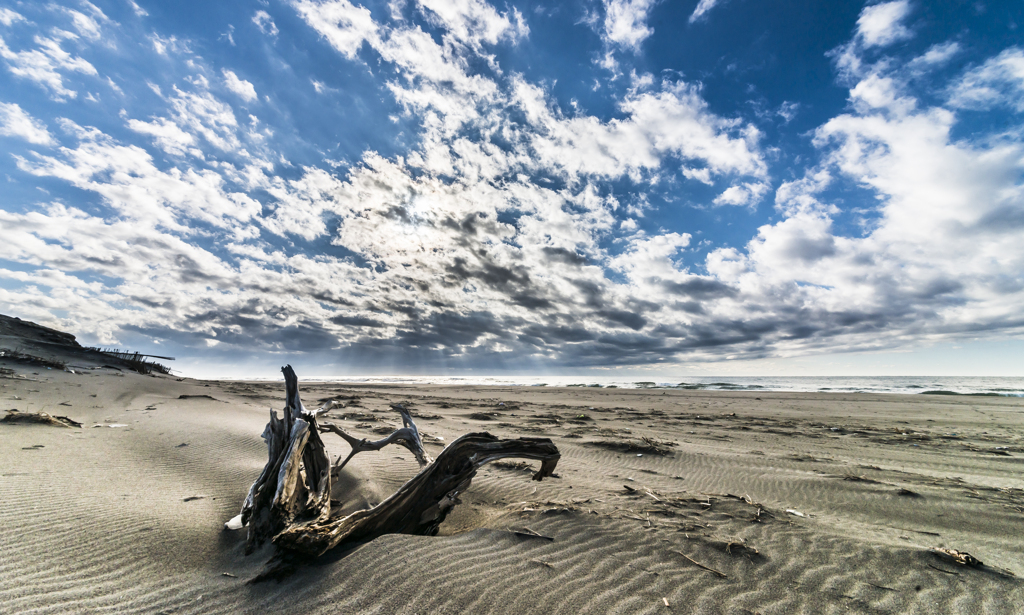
x,y
457,186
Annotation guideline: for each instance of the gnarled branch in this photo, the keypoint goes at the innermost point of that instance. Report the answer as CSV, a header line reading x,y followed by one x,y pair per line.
x,y
421,504
290,501
408,436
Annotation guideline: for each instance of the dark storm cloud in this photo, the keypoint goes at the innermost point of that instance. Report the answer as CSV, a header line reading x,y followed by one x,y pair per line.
x,y
189,271
810,249
554,334
452,329
1008,218
357,321
562,255
699,289
516,285
623,317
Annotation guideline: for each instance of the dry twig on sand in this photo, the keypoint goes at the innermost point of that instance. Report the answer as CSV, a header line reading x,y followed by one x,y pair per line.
x,y
700,565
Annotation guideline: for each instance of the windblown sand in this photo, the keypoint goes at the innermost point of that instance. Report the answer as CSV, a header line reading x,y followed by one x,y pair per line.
x,y
736,503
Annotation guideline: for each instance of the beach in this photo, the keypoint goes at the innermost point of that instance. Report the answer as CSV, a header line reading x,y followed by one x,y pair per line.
x,y
664,501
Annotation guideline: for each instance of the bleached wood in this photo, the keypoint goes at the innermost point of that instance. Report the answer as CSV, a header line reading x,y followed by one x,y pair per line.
x,y
290,501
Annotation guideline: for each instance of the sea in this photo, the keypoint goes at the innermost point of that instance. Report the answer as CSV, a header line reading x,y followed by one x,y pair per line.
x,y
898,385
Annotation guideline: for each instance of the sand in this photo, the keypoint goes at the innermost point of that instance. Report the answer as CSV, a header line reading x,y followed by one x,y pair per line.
x,y
765,503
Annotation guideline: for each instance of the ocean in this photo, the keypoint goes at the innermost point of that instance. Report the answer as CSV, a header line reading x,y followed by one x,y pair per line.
x,y
900,385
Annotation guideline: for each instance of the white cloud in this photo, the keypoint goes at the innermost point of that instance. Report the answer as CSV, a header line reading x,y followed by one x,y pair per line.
x,y
168,135
43,64
344,25
127,178
625,22
788,110
651,257
301,204
204,115
997,82
936,55
86,26
880,24
7,16
171,43
15,122
497,231
878,92
749,193
139,11
475,21
265,23
702,8
243,88
934,255
674,121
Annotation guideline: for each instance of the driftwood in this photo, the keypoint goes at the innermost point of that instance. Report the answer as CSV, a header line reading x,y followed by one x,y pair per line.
x,y
40,418
290,501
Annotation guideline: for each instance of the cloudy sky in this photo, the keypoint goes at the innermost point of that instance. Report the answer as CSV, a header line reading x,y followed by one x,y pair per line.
x,y
453,186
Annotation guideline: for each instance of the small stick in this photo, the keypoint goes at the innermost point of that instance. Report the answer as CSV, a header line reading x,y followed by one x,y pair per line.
x,y
542,563
665,600
700,565
528,533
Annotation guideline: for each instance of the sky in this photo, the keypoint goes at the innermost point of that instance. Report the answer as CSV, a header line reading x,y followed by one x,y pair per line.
x,y
457,186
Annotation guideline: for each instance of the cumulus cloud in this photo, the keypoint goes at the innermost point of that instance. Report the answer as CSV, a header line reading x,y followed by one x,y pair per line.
x,y
7,16
881,24
495,238
748,193
436,267
625,22
344,25
936,55
45,63
131,183
87,26
935,258
998,82
203,114
168,136
15,122
241,87
265,23
475,21
670,121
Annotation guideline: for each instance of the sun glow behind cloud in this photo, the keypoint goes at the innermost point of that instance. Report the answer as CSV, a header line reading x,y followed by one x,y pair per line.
x,y
477,216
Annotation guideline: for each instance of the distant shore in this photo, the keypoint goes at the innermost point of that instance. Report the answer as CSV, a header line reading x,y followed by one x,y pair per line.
x,y
995,386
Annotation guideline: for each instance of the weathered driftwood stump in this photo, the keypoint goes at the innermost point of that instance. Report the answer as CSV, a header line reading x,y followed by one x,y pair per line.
x,y
290,502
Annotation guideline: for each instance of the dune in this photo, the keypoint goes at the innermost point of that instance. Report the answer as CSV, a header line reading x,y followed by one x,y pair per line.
x,y
680,501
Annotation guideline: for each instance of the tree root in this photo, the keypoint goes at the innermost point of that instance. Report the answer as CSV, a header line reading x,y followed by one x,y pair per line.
x,y
290,501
